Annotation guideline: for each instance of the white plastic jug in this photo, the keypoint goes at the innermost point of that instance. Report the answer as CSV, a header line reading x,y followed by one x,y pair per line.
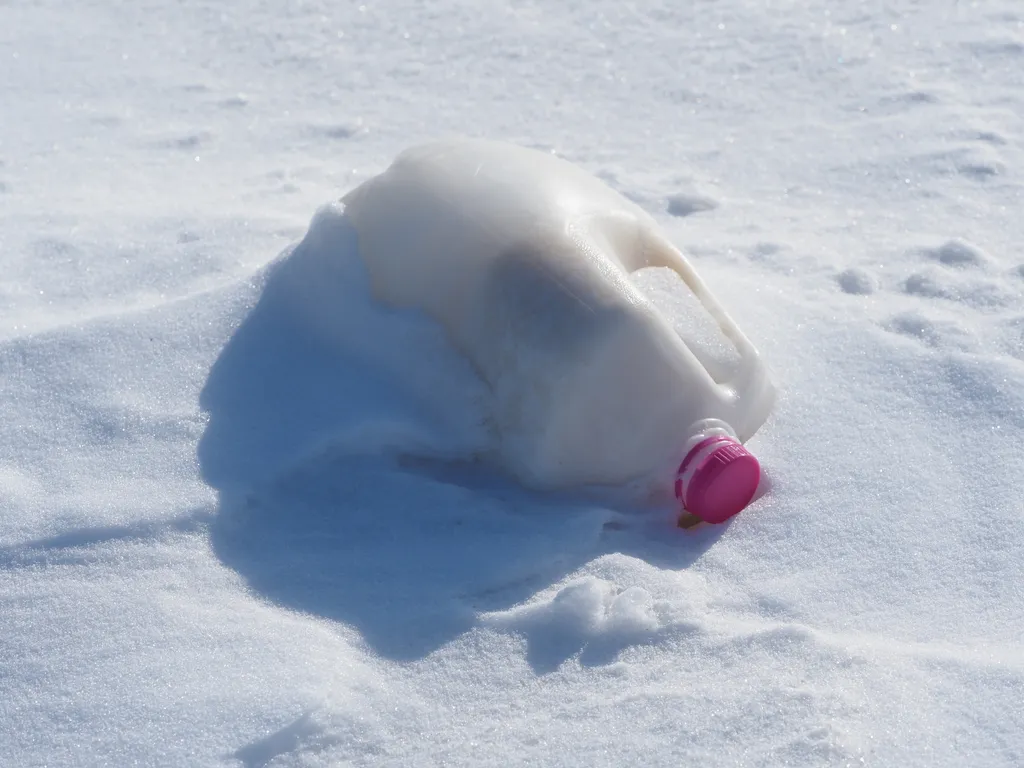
x,y
525,260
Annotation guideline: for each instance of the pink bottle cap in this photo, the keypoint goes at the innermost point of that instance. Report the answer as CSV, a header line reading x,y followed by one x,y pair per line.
x,y
717,479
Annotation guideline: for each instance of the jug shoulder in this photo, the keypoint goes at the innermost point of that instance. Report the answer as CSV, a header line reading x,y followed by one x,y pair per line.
x,y
500,184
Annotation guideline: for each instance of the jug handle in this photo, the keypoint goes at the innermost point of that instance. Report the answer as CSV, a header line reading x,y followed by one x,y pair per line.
x,y
659,252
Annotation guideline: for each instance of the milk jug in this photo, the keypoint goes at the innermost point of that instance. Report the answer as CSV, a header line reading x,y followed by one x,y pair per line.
x,y
525,260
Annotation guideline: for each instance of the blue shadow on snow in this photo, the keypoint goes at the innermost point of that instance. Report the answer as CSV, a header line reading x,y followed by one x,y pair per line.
x,y
334,499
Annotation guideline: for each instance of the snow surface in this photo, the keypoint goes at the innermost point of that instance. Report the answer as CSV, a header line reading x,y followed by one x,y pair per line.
x,y
211,550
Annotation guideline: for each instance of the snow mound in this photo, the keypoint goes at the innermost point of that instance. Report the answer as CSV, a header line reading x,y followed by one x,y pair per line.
x,y
317,365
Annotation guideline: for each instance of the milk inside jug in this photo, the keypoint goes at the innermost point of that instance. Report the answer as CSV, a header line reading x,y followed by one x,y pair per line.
x,y
526,261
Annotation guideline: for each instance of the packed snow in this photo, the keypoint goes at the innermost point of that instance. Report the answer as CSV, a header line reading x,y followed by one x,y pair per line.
x,y
243,523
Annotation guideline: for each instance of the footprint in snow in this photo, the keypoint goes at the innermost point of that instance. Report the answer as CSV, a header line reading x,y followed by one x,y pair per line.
x,y
351,129
937,334
856,282
682,204
185,142
979,161
959,302
957,253
238,101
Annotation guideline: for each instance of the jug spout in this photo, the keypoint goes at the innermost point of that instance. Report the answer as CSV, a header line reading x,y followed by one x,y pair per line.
x,y
717,478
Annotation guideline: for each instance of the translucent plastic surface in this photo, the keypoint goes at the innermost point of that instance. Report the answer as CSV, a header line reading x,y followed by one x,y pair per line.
x,y
525,260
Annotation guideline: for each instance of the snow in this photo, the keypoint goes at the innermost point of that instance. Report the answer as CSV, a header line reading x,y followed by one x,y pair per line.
x,y
214,548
